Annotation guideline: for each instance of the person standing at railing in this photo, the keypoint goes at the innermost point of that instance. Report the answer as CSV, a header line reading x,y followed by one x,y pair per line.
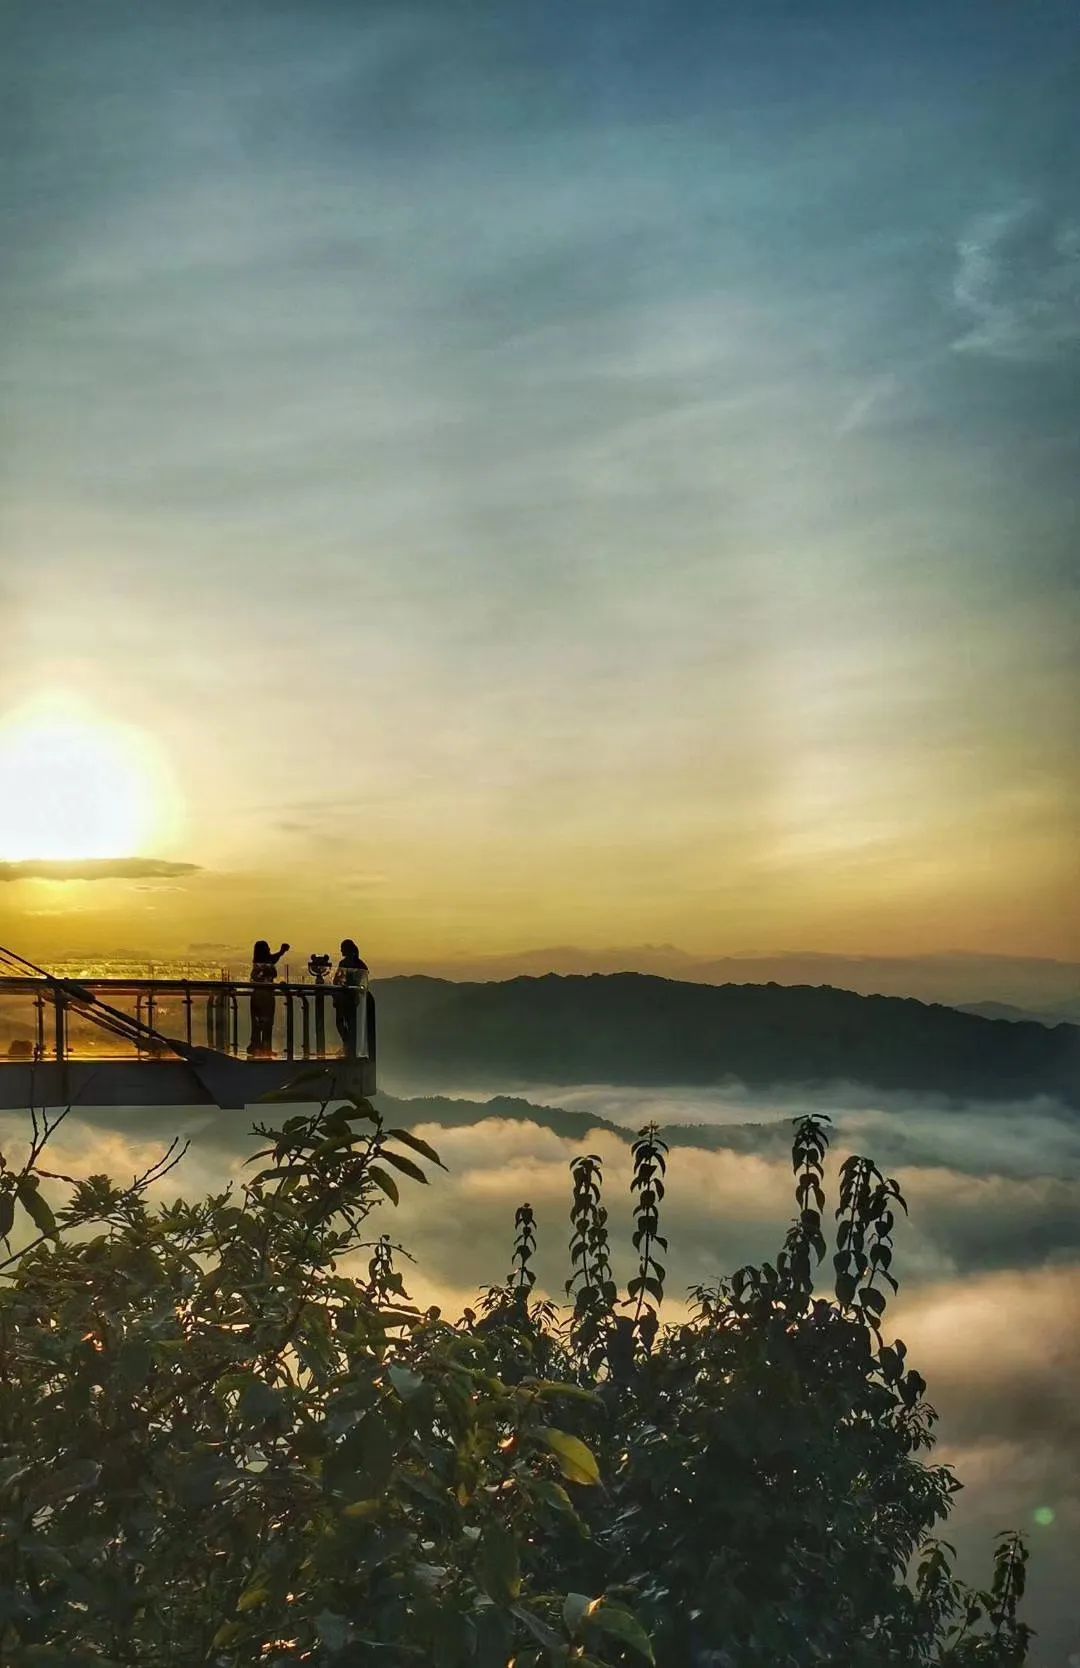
x,y
263,974
350,980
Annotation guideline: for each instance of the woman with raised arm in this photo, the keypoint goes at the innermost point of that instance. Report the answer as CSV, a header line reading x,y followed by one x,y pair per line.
x,y
263,974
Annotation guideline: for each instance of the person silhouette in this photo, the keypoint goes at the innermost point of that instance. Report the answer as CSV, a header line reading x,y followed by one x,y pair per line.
x,y
263,974
349,981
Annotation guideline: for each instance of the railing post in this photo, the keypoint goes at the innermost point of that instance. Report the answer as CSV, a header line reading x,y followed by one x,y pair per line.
x,y
288,1023
59,1015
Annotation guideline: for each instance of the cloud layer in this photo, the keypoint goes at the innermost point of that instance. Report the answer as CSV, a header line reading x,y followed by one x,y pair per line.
x,y
1018,280
95,868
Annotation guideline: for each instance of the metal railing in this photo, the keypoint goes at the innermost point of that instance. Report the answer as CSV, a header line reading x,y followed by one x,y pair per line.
x,y
282,1021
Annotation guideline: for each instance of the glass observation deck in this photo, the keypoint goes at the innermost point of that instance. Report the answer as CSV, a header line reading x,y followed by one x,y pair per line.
x,y
164,1041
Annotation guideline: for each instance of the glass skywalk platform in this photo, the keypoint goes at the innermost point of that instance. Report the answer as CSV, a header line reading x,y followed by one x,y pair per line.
x,y
180,1042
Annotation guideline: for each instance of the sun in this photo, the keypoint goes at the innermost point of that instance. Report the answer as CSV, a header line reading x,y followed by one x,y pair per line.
x,y
74,786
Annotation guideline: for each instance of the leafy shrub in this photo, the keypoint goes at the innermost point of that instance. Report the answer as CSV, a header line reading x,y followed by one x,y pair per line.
x,y
220,1444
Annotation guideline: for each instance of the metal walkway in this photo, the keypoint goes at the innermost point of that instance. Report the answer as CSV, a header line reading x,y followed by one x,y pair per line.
x,y
177,1042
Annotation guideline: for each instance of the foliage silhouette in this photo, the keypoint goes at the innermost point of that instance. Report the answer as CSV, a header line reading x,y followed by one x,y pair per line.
x,y
228,1437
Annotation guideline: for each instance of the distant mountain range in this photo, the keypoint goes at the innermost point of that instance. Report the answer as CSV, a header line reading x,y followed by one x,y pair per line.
x,y
1007,1010
629,1028
1036,987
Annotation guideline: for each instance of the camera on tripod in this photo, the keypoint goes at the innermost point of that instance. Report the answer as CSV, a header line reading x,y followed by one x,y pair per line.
x,y
319,967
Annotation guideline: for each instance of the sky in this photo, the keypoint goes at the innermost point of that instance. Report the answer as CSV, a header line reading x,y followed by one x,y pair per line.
x,y
513,476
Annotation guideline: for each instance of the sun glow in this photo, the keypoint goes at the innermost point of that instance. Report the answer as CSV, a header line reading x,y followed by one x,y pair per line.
x,y
74,786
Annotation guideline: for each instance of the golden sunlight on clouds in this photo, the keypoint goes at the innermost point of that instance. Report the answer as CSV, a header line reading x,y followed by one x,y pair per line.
x,y
77,786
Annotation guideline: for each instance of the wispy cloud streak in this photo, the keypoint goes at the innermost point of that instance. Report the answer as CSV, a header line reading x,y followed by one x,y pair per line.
x,y
96,868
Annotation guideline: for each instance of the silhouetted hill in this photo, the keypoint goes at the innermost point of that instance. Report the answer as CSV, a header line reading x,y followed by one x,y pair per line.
x,y
1007,1010
630,1028
453,1113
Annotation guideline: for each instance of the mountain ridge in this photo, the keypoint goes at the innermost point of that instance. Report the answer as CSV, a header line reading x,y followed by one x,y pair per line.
x,y
642,1029
1040,986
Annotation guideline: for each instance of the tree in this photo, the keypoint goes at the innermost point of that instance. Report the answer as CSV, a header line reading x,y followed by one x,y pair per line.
x,y
228,1437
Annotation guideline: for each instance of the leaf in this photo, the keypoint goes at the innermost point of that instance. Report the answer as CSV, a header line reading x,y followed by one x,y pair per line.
x,y
548,1390
47,1558
552,1494
35,1207
197,1483
405,1165
377,1448
407,1384
621,1625
282,1172
134,1361
362,1508
259,1401
576,1606
498,1569
576,1462
334,1631
539,1630
7,1213
68,1480
417,1145
386,1545
334,1143
387,1183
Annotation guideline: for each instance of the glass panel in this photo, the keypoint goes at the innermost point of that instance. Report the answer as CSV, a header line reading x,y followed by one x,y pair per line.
x,y
280,1021
18,1025
258,1016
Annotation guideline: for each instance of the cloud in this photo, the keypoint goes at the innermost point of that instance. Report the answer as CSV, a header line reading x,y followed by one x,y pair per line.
x,y
1018,280
96,868
869,403
1022,1139
988,1189
1001,1353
